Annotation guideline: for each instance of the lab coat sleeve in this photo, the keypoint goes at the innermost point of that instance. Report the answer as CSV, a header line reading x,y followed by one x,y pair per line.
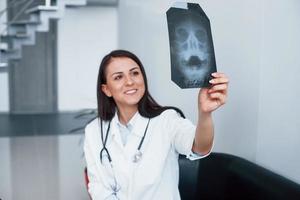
x,y
182,132
95,186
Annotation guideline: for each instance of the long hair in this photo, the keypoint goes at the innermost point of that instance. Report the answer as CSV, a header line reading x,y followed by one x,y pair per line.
x,y
147,106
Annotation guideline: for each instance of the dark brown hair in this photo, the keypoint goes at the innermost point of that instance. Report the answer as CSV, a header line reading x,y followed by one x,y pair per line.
x,y
147,106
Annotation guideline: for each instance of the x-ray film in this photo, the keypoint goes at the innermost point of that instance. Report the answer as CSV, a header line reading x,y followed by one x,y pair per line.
x,y
191,46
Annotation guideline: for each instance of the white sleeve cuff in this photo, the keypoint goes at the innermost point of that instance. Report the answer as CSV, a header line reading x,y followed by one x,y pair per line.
x,y
196,156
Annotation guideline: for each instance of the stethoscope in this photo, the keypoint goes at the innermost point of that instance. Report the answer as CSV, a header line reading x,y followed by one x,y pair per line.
x,y
137,156
104,152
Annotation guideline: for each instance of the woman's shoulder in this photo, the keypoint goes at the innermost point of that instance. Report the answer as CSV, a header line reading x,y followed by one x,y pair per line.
x,y
94,125
169,113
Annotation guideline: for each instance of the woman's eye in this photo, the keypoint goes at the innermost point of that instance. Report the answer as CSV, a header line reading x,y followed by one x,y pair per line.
x,y
135,73
118,77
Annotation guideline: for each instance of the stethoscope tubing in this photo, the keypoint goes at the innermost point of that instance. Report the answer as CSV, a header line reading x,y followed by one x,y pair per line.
x,y
104,150
104,141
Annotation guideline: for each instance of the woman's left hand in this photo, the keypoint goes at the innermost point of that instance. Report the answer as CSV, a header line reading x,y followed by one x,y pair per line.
x,y
212,98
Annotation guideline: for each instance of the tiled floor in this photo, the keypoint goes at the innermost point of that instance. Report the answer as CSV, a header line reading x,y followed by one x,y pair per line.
x,y
45,162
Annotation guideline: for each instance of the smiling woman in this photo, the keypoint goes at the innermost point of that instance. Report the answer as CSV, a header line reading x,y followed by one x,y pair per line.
x,y
132,148
125,84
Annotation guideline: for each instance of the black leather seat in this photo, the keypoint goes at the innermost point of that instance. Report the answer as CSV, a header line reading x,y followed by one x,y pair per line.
x,y
224,176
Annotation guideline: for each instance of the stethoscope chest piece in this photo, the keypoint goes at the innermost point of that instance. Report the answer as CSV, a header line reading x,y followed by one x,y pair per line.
x,y
137,156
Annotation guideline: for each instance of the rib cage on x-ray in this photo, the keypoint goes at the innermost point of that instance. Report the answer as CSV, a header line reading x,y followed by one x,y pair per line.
x,y
191,47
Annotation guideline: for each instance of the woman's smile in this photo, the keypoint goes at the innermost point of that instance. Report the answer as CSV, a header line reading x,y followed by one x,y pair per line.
x,y
131,92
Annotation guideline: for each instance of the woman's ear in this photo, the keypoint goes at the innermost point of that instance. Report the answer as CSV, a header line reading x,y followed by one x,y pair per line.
x,y
106,90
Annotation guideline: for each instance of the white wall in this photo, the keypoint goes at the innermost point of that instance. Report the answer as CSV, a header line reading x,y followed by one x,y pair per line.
x,y
278,144
3,16
4,96
236,37
252,45
85,35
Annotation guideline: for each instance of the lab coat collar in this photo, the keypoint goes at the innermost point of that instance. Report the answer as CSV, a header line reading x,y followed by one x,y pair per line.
x,y
131,122
137,122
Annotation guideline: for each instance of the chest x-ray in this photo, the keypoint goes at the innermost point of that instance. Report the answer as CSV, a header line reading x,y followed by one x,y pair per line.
x,y
191,46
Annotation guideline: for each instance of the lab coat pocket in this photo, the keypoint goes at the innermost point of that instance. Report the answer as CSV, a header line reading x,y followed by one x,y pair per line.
x,y
149,171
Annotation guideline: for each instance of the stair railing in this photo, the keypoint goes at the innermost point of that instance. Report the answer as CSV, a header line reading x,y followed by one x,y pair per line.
x,y
11,4
14,3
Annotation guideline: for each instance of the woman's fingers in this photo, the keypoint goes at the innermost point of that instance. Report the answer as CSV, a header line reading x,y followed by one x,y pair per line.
x,y
220,97
218,75
216,95
219,78
220,87
219,83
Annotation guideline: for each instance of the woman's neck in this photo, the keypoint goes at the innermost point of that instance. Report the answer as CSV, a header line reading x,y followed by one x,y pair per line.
x,y
125,114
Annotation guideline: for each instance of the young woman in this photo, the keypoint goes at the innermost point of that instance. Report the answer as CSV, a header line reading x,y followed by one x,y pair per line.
x,y
132,148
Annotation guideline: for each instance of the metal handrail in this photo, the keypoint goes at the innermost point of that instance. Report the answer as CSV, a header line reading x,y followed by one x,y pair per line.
x,y
16,16
11,4
14,3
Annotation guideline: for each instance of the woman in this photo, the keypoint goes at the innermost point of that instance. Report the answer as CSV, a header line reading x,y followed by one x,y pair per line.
x,y
132,148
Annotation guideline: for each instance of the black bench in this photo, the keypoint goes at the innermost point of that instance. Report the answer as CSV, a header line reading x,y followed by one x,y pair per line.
x,y
224,176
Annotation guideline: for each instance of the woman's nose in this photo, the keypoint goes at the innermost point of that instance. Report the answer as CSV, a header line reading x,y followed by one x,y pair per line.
x,y
129,80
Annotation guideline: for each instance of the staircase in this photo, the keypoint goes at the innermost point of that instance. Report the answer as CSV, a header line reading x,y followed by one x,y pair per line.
x,y
21,33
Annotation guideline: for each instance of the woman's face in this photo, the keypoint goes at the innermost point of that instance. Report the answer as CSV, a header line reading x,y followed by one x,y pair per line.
x,y
124,82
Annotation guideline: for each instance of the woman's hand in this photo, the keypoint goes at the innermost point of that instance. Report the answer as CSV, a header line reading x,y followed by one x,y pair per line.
x,y
212,98
209,99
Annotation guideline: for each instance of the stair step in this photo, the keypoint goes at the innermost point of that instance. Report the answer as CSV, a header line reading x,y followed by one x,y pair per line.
x,y
3,45
2,65
10,54
41,8
75,3
4,39
108,3
23,22
3,69
8,51
21,35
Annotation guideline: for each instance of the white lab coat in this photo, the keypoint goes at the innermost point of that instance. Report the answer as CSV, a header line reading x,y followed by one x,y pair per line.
x,y
156,175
